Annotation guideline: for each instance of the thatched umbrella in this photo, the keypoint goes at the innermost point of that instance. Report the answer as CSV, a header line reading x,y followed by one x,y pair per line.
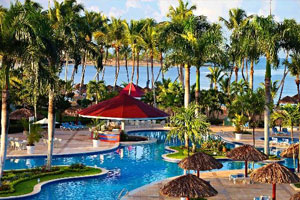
x,y
199,162
287,99
21,113
290,152
189,186
295,196
246,153
72,111
274,173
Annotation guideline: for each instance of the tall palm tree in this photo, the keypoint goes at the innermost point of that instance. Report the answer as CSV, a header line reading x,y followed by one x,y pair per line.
x,y
294,68
180,17
116,31
16,30
268,38
237,19
289,42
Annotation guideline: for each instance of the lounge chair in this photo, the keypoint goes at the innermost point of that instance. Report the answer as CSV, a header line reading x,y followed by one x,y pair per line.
x,y
236,177
80,125
275,131
285,131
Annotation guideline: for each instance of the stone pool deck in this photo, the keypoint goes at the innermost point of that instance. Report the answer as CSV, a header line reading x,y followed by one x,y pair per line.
x,y
73,142
219,180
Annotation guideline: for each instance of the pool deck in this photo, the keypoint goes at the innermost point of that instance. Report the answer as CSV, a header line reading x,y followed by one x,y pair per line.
x,y
219,180
73,142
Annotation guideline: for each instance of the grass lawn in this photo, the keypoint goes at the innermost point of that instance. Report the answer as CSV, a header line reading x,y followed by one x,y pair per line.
x,y
27,186
182,153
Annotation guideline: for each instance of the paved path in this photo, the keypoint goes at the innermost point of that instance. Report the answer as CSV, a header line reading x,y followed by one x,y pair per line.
x,y
226,189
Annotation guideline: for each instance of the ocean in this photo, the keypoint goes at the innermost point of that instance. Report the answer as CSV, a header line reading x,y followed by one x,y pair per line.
x,y
259,75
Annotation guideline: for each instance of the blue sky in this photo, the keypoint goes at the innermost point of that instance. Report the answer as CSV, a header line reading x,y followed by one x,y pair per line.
x,y
157,9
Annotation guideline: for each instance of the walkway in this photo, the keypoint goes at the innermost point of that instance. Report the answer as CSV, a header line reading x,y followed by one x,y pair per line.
x,y
219,180
72,142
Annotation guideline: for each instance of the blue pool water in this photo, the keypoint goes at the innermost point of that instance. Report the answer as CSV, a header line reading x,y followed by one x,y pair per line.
x,y
139,165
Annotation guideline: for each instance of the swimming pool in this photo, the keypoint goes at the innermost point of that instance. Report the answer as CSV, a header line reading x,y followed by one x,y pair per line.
x,y
139,165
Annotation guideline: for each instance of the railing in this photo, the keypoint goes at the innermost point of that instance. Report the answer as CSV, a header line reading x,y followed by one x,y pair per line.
x,y
123,191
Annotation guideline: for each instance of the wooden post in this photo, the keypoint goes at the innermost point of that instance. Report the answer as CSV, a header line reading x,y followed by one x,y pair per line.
x,y
274,192
198,174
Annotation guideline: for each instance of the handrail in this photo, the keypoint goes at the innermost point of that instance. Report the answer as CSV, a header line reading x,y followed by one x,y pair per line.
x,y
122,191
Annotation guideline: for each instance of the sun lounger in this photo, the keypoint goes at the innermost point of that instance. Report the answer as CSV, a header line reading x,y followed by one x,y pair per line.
x,y
80,125
236,177
262,198
275,131
285,131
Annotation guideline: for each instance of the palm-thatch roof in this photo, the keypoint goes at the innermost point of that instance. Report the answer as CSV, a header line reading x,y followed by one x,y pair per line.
x,y
22,113
274,173
288,99
290,151
72,111
200,161
246,153
295,196
188,186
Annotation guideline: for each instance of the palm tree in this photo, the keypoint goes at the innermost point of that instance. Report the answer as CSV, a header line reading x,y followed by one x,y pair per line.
x,y
237,19
96,90
116,31
15,31
294,68
180,18
215,76
268,39
188,124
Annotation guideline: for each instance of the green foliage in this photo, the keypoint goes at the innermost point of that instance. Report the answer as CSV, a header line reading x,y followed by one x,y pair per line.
x,y
169,94
25,124
239,121
288,114
34,135
186,122
84,102
97,91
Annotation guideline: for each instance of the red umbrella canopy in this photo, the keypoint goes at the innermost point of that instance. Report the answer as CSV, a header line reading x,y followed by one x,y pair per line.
x,y
135,91
123,107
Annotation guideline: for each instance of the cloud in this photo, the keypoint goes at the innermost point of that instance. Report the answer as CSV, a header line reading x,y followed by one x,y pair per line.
x,y
115,12
213,9
133,4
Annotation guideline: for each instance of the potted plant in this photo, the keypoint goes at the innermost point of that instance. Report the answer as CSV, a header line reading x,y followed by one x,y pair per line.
x,y
96,141
238,121
32,137
25,124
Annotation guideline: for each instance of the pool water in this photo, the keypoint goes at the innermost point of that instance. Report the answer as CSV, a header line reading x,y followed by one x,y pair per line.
x,y
139,165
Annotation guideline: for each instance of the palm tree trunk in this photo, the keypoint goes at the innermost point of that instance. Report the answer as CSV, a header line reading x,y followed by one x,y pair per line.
x,y
73,74
187,85
282,84
253,135
251,74
197,88
267,109
162,66
132,71
51,128
153,83
83,72
126,67
137,67
243,67
181,77
117,67
236,71
6,63
148,77
186,95
66,67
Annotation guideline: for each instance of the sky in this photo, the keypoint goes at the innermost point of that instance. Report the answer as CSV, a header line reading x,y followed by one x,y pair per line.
x,y
157,9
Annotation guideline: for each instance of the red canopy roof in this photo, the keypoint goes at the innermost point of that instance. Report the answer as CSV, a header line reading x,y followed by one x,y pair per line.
x,y
123,107
135,90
